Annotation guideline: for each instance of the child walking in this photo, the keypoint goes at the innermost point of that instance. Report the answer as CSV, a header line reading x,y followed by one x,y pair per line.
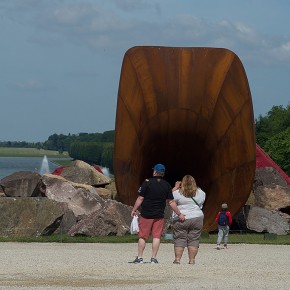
x,y
224,220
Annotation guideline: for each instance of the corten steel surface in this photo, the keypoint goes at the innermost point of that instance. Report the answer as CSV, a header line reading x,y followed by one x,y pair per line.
x,y
190,109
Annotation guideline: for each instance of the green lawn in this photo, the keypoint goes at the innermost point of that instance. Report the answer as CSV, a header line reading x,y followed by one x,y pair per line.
x,y
30,152
249,238
64,162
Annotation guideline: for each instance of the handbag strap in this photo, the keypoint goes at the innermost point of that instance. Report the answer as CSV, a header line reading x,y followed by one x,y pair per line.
x,y
195,202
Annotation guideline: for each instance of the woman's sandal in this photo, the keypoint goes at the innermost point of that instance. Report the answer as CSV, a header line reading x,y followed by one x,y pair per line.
x,y
176,262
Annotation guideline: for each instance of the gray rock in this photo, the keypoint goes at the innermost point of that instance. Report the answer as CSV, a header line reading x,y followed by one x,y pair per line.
x,y
21,183
104,193
83,173
113,218
272,197
112,187
271,193
261,220
81,199
92,214
27,216
67,220
2,193
268,176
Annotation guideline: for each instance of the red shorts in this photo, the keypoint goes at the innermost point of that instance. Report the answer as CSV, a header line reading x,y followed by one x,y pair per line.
x,y
150,225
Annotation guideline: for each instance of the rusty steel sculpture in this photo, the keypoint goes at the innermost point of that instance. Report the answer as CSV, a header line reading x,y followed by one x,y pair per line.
x,y
190,109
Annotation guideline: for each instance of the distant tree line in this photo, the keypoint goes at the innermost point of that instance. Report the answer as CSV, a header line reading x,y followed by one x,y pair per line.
x,y
273,135
100,153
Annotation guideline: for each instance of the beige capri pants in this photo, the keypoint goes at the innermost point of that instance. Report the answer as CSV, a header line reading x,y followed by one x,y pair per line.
x,y
187,233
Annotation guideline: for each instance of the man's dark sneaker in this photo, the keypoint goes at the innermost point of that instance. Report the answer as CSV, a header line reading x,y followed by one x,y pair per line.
x,y
138,260
154,261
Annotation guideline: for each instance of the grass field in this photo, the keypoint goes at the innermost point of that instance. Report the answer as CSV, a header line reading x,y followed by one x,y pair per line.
x,y
30,152
64,162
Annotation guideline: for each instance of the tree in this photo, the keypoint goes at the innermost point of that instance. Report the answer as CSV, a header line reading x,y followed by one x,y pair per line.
x,y
278,147
273,135
108,136
276,121
89,152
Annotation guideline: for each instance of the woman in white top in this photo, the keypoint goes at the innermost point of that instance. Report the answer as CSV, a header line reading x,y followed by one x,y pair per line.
x,y
189,199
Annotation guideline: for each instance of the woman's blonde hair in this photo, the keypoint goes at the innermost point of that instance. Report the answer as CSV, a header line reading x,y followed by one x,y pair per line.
x,y
188,186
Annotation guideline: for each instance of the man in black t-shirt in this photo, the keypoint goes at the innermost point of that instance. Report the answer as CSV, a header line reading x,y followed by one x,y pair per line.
x,y
153,194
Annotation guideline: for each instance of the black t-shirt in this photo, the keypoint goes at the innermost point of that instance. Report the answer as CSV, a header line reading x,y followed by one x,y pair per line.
x,y
155,191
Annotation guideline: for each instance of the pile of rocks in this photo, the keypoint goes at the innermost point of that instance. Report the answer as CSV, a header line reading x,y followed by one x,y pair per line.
x,y
81,201
268,206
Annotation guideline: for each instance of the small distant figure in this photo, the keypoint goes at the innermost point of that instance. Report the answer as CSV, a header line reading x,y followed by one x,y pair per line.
x,y
224,220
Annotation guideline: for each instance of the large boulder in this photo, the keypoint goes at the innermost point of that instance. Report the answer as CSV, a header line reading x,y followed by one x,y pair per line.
x,y
83,173
81,199
265,220
27,216
20,184
112,219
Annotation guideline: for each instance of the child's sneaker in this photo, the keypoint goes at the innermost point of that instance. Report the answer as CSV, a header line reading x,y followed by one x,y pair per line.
x,y
225,246
154,261
138,260
218,247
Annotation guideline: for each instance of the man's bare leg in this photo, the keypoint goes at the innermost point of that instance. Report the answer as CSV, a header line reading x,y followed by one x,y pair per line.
x,y
155,247
141,247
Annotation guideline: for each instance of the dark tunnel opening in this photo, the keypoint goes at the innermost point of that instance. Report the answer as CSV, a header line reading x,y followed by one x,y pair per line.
x,y
179,157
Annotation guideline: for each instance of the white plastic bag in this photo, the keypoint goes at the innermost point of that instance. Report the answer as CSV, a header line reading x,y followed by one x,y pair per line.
x,y
134,228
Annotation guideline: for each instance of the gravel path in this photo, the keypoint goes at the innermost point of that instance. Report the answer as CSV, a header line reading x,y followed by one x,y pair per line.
x,y
105,266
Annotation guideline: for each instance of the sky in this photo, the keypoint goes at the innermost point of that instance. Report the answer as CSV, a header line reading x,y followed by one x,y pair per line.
x,y
60,60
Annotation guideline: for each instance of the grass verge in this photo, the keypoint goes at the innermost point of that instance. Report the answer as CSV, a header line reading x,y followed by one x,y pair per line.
x,y
62,238
249,238
252,238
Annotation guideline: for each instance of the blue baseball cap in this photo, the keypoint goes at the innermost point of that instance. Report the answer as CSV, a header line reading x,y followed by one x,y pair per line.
x,y
159,167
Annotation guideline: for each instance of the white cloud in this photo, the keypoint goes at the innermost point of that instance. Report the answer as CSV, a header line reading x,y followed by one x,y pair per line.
x,y
282,52
99,26
29,85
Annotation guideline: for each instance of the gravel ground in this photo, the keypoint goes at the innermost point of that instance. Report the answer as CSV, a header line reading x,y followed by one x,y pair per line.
x,y
105,266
